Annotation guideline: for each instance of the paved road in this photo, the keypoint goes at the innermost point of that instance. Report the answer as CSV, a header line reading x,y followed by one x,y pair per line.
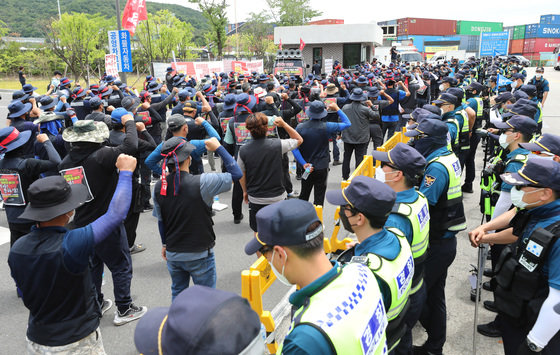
x,y
151,282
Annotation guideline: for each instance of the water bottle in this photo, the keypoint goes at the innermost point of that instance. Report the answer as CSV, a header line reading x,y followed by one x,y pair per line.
x,y
216,199
306,173
293,168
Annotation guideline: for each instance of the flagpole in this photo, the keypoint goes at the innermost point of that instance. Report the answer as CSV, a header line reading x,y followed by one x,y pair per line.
x,y
118,8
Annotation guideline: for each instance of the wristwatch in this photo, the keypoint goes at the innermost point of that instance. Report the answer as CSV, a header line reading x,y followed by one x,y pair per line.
x,y
533,347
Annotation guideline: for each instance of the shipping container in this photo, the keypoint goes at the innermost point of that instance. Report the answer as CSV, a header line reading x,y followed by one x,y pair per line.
x,y
392,22
477,27
423,26
328,21
469,43
533,57
519,32
550,20
516,46
548,31
531,30
545,44
528,45
509,30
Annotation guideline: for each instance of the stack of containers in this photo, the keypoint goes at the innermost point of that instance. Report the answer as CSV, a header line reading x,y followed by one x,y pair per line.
x,y
542,37
470,31
423,26
517,41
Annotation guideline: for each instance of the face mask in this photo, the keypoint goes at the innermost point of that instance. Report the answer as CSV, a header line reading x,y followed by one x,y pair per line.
x,y
441,87
280,275
70,217
538,76
517,198
345,222
381,175
514,85
504,140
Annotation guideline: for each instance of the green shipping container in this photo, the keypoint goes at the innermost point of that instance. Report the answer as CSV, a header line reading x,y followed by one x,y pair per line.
x,y
477,27
519,32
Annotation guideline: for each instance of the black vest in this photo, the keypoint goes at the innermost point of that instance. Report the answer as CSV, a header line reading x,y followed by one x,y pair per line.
x,y
263,166
186,217
315,146
62,306
79,106
392,109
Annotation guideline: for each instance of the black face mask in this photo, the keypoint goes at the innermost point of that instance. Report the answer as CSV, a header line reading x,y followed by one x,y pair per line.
x,y
345,222
469,94
427,145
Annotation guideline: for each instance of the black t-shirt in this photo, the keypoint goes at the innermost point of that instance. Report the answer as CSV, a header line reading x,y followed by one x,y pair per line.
x,y
21,77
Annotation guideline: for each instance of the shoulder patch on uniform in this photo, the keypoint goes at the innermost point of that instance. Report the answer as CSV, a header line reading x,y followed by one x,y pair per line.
x,y
429,180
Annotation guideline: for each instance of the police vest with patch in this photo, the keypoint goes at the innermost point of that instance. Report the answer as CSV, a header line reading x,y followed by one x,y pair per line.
x,y
448,213
418,215
348,311
397,275
521,285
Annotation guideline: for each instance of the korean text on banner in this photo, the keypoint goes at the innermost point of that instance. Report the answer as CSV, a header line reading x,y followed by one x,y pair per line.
x,y
111,67
244,67
134,11
328,66
494,43
119,44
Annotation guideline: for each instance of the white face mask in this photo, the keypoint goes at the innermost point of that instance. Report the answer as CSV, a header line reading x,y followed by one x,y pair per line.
x,y
441,87
504,141
517,198
381,175
514,85
280,275
538,76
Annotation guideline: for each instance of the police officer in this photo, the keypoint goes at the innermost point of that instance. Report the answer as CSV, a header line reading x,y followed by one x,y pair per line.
x,y
546,146
531,91
290,237
364,207
528,276
541,84
475,102
402,169
442,187
458,131
466,117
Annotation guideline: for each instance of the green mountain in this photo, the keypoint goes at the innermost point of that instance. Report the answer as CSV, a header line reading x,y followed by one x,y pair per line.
x,y
24,17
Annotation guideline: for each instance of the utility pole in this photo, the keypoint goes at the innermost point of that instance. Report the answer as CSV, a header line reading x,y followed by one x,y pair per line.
x,y
118,7
59,13
236,28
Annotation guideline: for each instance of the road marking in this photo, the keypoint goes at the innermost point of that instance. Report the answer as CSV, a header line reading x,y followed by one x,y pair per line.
x,y
4,235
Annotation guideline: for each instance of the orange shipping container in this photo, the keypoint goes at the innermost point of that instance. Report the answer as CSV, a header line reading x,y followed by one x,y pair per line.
x,y
422,26
516,46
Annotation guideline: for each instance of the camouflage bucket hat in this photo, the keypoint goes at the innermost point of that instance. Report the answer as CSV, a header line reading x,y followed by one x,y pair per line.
x,y
86,131
48,117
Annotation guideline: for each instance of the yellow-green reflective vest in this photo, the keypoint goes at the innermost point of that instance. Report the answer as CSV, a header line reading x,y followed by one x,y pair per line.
x,y
479,107
418,215
454,195
348,311
539,106
463,134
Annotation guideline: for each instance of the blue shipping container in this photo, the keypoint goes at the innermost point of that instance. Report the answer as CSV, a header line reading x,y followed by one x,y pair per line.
x,y
548,31
531,30
550,20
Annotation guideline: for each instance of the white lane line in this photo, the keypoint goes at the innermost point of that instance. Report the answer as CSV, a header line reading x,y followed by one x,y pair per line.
x,y
4,235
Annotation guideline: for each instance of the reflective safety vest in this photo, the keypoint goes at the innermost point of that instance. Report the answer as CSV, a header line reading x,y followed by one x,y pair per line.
x,y
348,311
463,135
418,215
479,107
539,117
448,213
397,275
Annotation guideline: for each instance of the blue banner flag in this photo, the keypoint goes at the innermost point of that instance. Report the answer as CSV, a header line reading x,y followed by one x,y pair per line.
x,y
503,81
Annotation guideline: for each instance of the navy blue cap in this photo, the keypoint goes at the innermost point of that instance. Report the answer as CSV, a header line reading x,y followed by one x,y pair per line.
x,y
263,77
518,76
169,69
47,102
446,98
362,80
415,113
448,79
65,81
503,97
95,101
105,91
457,92
429,127
519,94
530,90
229,101
109,79
537,171
433,109
19,95
154,86
519,123
373,91
18,109
475,85
79,92
316,110
523,107
178,80
404,158
28,88
201,320
358,95
284,223
546,143
367,195
246,100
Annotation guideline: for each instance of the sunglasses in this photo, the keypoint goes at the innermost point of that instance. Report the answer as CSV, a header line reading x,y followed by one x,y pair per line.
x,y
265,249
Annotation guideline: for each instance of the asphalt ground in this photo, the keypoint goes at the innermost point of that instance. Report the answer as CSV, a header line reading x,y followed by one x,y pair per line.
x,y
151,282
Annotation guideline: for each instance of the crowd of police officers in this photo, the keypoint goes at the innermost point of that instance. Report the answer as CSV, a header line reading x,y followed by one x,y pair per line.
x,y
368,298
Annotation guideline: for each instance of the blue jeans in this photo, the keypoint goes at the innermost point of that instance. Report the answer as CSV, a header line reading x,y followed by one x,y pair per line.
x,y
335,150
202,271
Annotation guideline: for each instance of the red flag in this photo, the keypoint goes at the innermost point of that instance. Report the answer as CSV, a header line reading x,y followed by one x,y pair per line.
x,y
280,45
301,44
134,11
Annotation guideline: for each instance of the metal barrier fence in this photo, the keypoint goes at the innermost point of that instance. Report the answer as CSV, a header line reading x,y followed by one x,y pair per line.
x,y
258,279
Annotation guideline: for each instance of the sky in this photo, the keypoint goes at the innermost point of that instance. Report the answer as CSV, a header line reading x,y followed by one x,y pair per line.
x,y
369,11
